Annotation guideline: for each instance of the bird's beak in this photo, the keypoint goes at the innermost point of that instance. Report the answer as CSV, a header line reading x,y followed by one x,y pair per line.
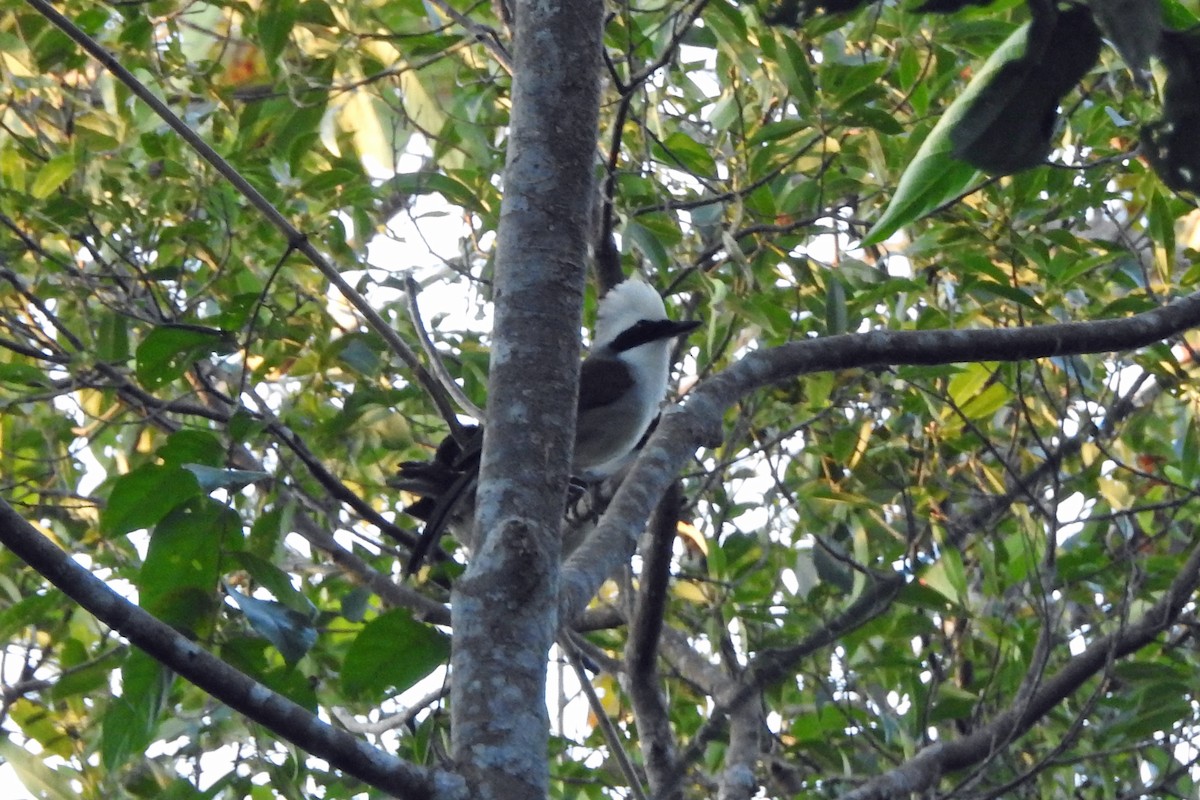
x,y
684,327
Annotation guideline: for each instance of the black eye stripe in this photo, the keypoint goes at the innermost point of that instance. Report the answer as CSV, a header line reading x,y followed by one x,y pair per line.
x,y
648,330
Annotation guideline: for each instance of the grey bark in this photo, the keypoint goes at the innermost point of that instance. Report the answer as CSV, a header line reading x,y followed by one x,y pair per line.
x,y
641,679
505,605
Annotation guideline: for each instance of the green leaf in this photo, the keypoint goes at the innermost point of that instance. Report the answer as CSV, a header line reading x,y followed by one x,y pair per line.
x,y
796,71
169,351
52,175
29,611
968,382
275,23
775,131
818,725
316,12
988,402
1151,672
454,191
682,151
932,179
250,655
212,478
1161,221
875,118
178,580
1162,707
142,497
832,571
360,352
648,244
131,719
935,175
22,376
12,169
354,603
987,289
192,447
270,526
243,426
372,667
112,344
953,704
1189,453
947,576
38,779
329,182
836,316
84,680
277,582
1178,15
920,595
291,632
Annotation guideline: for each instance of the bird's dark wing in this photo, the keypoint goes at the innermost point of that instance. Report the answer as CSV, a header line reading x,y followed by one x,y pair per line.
x,y
439,514
454,469
440,483
601,382
465,454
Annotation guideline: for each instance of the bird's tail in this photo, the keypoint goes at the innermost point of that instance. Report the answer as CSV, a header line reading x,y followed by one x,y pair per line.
x,y
440,484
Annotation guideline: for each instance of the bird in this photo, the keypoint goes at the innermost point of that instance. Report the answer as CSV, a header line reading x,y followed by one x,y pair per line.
x,y
622,383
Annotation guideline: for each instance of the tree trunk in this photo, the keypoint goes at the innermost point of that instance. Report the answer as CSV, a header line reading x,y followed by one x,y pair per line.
x,y
505,606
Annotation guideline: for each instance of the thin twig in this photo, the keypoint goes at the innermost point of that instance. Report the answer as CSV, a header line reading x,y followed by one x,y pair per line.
x,y
606,726
392,721
484,34
445,381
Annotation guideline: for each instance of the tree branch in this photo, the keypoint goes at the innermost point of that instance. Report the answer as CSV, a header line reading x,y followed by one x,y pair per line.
x,y
505,604
647,619
280,715
484,34
738,778
650,711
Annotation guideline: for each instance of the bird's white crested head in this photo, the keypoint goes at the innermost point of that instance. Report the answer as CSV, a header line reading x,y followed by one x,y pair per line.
x,y
625,305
